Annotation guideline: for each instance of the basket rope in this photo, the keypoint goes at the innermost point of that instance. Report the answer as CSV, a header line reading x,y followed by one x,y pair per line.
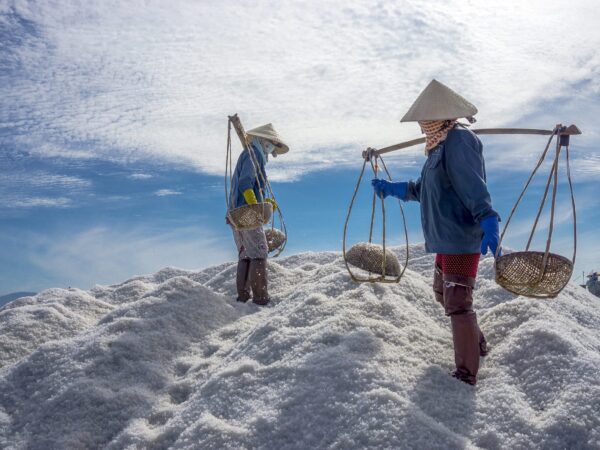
x,y
547,257
263,183
370,156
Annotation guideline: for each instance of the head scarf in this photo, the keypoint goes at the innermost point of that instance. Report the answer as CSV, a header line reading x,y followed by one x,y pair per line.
x,y
435,132
266,146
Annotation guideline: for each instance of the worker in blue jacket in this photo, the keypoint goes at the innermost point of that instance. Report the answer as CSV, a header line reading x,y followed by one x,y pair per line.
x,y
457,216
248,187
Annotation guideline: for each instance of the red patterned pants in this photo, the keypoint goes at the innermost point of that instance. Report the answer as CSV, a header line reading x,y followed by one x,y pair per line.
x,y
465,265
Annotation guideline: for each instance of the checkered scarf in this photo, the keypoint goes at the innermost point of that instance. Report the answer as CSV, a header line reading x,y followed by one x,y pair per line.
x,y
435,132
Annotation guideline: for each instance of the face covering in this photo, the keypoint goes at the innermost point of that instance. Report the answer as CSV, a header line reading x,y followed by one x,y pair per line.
x,y
268,147
435,132
259,144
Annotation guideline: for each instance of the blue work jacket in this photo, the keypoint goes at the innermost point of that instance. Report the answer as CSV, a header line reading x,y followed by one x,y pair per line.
x,y
244,177
453,194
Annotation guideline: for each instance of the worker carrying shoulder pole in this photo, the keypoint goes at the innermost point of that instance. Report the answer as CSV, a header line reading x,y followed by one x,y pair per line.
x,y
248,186
456,213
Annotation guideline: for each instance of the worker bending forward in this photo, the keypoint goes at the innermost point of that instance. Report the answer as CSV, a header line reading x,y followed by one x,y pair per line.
x,y
248,187
456,214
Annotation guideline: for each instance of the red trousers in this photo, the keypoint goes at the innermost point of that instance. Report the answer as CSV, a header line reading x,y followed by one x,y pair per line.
x,y
465,265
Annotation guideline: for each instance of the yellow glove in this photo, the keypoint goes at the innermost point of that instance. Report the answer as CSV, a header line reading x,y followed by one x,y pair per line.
x,y
272,202
250,197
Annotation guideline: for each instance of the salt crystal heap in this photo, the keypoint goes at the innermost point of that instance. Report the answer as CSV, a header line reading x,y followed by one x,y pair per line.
x,y
171,360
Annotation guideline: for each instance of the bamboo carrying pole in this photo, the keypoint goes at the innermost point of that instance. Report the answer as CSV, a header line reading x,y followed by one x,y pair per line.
x,y
565,131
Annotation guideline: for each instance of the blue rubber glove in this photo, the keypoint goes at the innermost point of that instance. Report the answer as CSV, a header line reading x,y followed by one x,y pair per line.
x,y
387,188
491,235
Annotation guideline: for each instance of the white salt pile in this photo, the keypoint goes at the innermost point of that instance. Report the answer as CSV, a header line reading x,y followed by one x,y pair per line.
x,y
172,361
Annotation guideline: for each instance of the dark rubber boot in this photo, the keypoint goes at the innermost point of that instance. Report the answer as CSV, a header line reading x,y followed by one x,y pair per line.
x,y
258,281
438,285
466,346
458,303
483,347
242,281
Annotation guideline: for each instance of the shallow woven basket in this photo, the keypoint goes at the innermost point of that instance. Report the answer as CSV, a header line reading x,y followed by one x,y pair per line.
x,y
369,257
275,238
522,273
251,216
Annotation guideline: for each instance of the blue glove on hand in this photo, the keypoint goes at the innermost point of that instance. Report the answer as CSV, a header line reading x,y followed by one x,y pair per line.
x,y
491,235
386,188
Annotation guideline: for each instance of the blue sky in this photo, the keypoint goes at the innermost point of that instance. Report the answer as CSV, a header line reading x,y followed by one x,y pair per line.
x,y
113,120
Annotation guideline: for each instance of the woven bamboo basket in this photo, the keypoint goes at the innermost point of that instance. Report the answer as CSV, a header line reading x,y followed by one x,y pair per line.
x,y
369,257
251,216
523,273
275,238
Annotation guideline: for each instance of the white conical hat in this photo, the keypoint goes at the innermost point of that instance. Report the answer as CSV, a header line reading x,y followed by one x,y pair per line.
x,y
268,132
439,102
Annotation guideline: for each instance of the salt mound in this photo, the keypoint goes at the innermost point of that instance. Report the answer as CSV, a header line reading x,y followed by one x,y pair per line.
x,y
174,361
53,314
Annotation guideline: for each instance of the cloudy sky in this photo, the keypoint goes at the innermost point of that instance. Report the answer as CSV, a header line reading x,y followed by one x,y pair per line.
x,y
113,118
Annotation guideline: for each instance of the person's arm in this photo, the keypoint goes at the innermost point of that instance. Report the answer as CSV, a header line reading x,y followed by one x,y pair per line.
x,y
261,172
246,180
465,169
413,191
399,190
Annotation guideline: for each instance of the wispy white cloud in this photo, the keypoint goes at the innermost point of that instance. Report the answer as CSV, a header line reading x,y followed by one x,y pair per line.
x,y
37,202
166,192
47,150
37,188
109,255
114,198
140,176
149,80
42,179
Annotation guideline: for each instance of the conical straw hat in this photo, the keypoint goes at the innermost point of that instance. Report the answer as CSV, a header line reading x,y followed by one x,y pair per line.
x,y
439,102
268,132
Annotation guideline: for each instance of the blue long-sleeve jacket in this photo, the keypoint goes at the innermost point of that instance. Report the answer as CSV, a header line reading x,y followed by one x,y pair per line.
x,y
453,194
245,178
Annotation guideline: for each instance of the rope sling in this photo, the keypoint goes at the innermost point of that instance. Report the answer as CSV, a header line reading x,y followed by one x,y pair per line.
x,y
533,273
249,216
529,273
374,258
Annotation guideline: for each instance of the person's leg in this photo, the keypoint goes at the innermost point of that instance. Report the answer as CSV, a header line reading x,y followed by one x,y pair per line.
x,y
243,280
483,347
459,272
243,268
465,265
438,282
256,249
258,281
458,302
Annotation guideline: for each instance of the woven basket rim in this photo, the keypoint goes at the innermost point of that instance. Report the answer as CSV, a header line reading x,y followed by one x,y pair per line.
x,y
253,206
265,208
512,255
513,286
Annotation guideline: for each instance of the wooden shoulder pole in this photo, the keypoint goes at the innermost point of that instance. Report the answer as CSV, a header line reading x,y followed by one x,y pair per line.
x,y
239,129
566,131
